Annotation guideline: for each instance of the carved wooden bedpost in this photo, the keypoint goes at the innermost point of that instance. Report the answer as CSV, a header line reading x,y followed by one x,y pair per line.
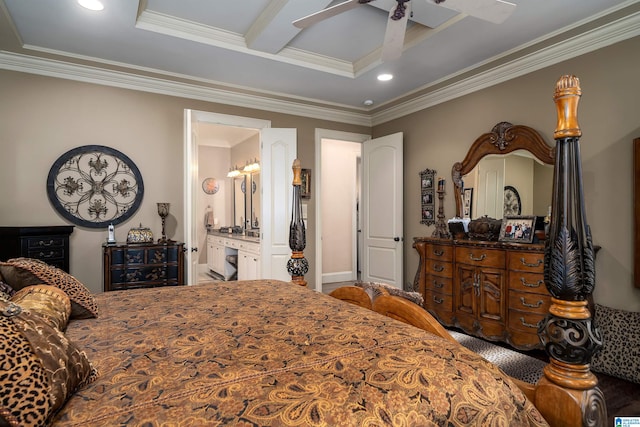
x,y
298,265
568,393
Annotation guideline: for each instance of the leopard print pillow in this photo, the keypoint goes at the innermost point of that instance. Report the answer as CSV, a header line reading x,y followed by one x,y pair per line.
x,y
22,272
41,368
620,352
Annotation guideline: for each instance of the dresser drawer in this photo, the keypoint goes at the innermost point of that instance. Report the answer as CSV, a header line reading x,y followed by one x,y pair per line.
x,y
438,302
527,282
44,242
481,257
439,268
524,321
526,261
441,252
534,303
46,254
440,284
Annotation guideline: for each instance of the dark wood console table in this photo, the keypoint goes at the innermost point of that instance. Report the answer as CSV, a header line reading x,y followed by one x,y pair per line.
x,y
46,243
142,265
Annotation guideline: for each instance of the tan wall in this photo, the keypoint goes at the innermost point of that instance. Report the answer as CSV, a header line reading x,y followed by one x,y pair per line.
x,y
608,114
42,117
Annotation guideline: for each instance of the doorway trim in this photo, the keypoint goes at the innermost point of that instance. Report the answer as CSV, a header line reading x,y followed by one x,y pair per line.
x,y
190,189
321,134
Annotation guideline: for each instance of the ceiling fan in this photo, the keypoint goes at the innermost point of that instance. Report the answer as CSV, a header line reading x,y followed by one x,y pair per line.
x,y
495,11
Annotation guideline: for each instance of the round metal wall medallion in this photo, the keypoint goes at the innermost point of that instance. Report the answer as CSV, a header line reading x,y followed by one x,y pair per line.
x,y
94,186
511,201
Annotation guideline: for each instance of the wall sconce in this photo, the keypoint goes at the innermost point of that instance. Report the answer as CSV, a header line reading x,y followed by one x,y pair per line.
x,y
252,167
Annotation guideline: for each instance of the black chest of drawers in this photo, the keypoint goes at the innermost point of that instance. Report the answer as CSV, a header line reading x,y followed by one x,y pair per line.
x,y
46,243
142,265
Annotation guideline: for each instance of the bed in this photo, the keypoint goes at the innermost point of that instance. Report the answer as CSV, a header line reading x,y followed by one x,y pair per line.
x,y
251,353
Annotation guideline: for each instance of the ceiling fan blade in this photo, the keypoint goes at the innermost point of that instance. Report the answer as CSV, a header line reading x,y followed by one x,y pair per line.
x,y
394,35
496,11
337,9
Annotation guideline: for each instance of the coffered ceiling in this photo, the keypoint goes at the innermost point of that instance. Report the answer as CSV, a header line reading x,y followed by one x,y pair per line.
x,y
250,48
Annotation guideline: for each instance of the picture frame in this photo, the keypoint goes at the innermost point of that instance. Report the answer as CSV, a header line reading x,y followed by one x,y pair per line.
x,y
305,188
517,229
467,202
427,197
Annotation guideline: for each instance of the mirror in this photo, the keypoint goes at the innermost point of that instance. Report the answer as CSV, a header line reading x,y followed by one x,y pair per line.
x,y
525,144
246,204
238,201
255,200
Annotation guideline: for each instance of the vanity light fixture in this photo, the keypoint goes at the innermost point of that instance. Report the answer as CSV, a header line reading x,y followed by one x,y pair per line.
x,y
233,172
252,167
385,77
91,4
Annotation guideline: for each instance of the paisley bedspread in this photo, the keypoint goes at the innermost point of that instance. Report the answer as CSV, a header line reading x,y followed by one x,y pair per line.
x,y
272,353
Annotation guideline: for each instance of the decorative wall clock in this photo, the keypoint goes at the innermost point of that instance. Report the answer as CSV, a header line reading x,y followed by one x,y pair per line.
x,y
511,201
94,186
210,186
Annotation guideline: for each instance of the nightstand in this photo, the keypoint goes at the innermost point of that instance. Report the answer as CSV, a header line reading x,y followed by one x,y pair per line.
x,y
46,243
142,265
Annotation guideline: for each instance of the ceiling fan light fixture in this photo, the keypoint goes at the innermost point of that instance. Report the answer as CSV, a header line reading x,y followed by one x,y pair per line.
x,y
91,4
385,77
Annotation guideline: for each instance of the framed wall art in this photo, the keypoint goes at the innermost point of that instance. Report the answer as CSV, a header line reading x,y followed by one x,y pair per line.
x,y
305,188
519,229
95,186
467,202
427,196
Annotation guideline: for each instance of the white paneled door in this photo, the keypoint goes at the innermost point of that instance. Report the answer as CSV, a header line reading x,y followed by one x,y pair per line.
x,y
382,211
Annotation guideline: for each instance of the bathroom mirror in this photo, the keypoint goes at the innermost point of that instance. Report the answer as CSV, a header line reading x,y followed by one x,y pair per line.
x,y
238,201
503,139
254,206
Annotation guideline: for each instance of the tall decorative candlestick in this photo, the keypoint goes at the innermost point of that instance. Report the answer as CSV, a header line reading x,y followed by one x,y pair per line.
x,y
441,230
163,211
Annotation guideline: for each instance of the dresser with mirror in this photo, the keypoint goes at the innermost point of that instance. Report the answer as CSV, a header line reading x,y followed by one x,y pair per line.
x,y
488,288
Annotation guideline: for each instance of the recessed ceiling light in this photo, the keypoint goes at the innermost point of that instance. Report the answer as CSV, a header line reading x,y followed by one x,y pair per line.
x,y
368,102
91,4
385,77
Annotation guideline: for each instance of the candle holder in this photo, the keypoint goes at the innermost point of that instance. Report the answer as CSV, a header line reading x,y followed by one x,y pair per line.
x,y
163,211
441,230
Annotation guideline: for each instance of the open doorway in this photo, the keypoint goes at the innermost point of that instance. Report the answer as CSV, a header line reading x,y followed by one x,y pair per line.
x,y
337,186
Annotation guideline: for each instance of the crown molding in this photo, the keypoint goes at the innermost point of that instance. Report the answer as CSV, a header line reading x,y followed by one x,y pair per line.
x,y
603,36
83,73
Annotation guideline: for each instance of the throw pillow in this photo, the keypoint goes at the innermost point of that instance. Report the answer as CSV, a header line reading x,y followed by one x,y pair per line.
x,y
620,352
22,272
48,302
41,367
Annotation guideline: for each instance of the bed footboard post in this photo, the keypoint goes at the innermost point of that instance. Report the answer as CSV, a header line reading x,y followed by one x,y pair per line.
x,y
568,394
298,265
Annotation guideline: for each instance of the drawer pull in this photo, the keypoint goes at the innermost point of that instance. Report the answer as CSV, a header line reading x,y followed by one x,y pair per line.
x,y
43,243
482,257
438,268
437,300
437,252
49,255
532,265
526,304
531,285
437,284
529,325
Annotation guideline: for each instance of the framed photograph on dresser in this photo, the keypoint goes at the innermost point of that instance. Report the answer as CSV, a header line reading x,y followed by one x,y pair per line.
x,y
519,229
